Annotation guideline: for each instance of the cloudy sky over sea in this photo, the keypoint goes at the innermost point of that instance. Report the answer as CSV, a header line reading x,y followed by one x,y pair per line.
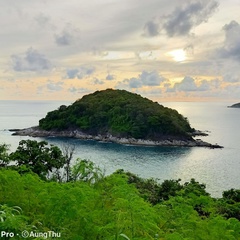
x,y
162,49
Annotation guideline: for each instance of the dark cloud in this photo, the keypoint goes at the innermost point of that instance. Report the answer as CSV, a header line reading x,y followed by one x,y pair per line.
x,y
80,72
32,60
183,19
232,25
231,46
151,29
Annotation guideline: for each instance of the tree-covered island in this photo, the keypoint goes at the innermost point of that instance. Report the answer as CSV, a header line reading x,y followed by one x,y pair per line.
x,y
236,105
118,116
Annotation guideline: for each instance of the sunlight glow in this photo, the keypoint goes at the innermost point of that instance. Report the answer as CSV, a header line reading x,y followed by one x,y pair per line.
x,y
178,55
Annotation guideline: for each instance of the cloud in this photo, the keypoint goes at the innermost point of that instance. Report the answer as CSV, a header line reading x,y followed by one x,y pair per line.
x,y
78,90
145,79
110,77
54,86
204,86
188,84
64,39
123,85
231,78
189,49
232,91
67,36
183,19
80,72
42,20
231,46
50,86
98,81
135,83
72,73
32,61
151,78
151,29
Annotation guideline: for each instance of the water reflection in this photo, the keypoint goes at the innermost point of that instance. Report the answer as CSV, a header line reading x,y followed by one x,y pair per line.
x,y
156,162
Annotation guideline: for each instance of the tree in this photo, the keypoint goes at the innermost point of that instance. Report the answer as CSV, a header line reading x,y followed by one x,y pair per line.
x,y
85,170
68,150
40,157
4,157
120,113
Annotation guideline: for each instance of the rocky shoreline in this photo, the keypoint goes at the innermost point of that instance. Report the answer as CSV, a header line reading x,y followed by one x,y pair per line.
x,y
36,132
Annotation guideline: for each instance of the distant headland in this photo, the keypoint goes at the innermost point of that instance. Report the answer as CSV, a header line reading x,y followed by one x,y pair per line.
x,y
236,105
118,116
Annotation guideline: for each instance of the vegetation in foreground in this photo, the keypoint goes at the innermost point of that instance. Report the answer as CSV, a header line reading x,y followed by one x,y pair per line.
x,y
119,113
43,192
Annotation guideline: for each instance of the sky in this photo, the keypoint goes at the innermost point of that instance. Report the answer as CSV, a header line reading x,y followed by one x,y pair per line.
x,y
166,50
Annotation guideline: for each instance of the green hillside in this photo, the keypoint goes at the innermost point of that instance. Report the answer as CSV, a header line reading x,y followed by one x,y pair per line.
x,y
47,191
120,113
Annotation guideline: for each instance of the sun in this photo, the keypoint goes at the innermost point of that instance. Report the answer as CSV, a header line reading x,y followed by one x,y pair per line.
x,y
178,55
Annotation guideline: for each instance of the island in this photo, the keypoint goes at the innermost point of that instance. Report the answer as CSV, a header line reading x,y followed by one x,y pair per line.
x,y
118,116
236,105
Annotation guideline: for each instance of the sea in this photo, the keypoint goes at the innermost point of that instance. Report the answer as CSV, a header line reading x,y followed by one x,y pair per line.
x,y
219,169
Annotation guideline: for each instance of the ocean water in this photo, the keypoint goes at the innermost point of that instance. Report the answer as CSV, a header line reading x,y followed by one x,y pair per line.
x,y
219,169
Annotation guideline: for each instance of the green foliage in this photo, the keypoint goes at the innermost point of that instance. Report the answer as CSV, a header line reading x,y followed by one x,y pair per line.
x,y
89,205
194,187
151,190
108,209
229,205
4,156
38,156
13,221
85,170
232,195
119,113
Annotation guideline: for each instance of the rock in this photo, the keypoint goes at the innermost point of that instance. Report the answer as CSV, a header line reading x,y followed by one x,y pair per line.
x,y
36,132
236,105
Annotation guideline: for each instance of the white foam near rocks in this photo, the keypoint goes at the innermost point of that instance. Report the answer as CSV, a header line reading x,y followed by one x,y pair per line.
x,y
36,132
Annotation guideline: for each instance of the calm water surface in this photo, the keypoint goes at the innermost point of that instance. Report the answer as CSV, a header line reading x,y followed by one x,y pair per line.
x,y
218,168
